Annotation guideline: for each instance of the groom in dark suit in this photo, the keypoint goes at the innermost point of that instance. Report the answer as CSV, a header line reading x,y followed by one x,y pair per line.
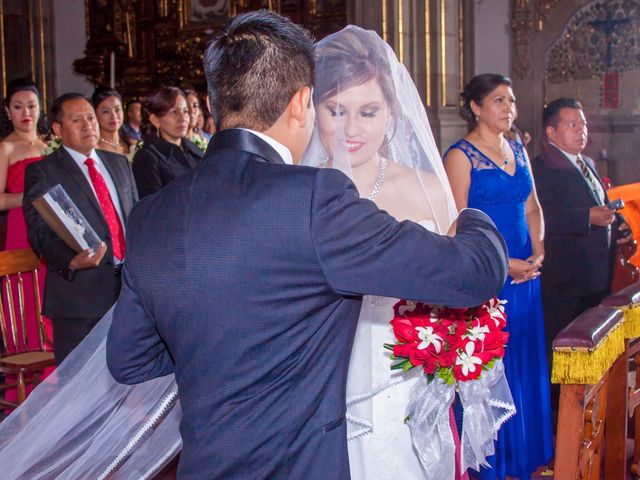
x,y
80,287
245,276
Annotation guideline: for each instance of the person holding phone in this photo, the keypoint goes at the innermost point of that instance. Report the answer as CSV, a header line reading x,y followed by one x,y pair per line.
x,y
582,226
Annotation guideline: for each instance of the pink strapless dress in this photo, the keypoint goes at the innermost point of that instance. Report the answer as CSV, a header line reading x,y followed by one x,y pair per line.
x,y
17,239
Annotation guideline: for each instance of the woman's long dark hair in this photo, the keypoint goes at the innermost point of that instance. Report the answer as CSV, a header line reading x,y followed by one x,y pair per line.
x,y
21,85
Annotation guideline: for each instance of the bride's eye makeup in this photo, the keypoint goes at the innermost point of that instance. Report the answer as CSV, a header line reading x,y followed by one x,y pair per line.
x,y
335,111
370,113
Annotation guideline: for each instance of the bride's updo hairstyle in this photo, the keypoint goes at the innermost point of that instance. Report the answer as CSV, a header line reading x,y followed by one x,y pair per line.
x,y
477,90
348,59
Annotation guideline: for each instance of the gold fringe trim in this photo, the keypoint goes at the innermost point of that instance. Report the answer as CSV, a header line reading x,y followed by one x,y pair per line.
x,y
587,366
631,321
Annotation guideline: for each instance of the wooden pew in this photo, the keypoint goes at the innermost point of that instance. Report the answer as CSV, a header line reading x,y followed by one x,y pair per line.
x,y
624,397
583,356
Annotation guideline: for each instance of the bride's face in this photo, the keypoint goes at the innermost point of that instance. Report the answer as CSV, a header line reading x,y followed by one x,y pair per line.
x,y
354,122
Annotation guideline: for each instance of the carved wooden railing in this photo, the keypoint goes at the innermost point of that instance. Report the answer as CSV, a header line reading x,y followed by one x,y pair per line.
x,y
624,397
585,358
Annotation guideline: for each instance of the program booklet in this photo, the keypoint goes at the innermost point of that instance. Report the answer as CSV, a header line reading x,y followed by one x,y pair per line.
x,y
65,218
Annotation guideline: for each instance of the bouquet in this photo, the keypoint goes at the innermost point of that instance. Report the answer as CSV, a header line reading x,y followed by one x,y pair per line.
x,y
53,144
459,351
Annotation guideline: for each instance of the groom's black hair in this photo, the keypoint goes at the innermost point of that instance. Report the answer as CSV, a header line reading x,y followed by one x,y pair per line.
x,y
254,67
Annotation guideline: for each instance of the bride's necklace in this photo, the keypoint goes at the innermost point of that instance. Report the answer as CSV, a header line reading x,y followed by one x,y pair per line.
x,y
113,144
377,185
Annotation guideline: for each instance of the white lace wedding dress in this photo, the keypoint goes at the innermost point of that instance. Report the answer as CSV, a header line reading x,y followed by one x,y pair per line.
x,y
380,445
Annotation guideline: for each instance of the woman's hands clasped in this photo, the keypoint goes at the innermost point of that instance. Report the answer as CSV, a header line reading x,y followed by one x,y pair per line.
x,y
522,271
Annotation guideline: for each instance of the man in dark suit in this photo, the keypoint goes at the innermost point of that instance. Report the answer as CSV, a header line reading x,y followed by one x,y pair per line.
x,y
245,276
581,232
80,287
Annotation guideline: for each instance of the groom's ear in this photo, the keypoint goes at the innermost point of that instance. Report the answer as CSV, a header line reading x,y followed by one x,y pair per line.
x,y
299,106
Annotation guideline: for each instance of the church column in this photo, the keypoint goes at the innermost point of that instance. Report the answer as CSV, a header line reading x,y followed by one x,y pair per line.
x,y
431,39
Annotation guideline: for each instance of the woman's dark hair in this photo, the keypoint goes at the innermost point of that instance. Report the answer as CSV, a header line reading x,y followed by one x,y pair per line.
x,y
477,90
102,93
21,85
254,66
158,104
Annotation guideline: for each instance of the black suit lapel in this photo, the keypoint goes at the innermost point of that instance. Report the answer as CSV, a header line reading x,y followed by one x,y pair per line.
x,y
563,161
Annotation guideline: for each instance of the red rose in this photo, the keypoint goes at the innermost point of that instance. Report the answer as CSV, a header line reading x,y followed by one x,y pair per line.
x,y
404,330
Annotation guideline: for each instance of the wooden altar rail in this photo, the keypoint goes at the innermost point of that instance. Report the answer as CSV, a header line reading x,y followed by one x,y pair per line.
x,y
591,362
624,398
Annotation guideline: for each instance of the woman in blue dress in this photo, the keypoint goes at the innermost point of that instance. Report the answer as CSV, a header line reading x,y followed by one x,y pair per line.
x,y
492,174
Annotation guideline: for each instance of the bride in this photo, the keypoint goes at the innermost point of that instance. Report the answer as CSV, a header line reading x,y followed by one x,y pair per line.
x,y
372,126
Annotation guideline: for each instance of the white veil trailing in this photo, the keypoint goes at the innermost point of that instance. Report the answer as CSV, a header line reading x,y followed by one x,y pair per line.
x,y
410,182
81,423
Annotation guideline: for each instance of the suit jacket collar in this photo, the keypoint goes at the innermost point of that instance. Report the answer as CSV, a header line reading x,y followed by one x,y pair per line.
x,y
75,174
73,171
237,139
185,155
555,158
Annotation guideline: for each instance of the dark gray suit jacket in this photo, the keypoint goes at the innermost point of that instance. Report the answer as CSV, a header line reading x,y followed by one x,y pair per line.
x,y
245,277
578,258
85,293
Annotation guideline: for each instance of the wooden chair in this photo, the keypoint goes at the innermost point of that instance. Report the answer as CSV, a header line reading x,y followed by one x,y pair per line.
x,y
584,356
16,358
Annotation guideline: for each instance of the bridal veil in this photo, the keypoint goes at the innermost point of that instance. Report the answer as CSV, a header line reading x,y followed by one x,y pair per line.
x,y
419,188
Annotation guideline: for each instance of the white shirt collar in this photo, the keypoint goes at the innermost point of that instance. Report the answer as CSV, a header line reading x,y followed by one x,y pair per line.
x,y
283,151
79,158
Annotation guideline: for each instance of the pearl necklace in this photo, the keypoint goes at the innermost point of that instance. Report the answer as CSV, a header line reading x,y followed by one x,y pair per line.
x,y
113,144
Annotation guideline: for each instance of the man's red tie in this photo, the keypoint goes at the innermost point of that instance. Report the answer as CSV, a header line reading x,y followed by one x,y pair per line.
x,y
108,209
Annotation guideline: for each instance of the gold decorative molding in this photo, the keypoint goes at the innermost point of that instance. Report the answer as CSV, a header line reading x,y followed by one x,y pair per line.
x,y
543,10
443,52
162,42
521,25
427,49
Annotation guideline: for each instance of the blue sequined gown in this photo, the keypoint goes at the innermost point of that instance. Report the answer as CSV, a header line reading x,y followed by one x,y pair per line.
x,y
525,441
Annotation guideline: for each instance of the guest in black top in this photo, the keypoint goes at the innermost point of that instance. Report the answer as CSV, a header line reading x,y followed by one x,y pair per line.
x,y
165,153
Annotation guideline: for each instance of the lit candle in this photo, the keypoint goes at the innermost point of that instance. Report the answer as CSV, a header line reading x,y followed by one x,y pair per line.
x,y
112,70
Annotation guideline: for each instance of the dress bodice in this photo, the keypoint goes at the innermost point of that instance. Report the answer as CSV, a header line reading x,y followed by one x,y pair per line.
x,y
500,195
15,174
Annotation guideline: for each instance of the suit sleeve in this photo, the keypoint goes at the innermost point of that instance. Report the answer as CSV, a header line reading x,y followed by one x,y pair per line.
x,y
135,351
363,250
560,216
44,240
146,171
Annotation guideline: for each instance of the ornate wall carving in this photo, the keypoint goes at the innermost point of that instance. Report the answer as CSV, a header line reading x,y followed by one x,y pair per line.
x,y
581,50
161,42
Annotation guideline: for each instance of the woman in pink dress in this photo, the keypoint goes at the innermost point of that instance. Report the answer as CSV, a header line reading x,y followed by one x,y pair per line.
x,y
20,147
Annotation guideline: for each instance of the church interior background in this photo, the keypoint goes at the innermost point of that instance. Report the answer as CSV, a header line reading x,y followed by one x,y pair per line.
x,y
587,49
